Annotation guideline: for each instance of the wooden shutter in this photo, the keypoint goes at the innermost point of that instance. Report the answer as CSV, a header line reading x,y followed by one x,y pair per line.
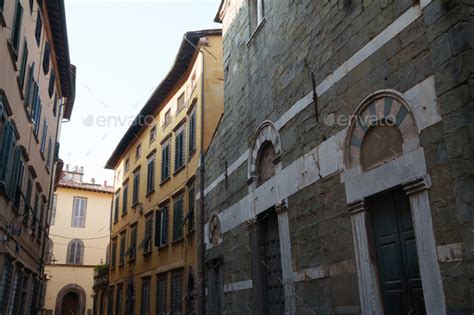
x,y
24,61
46,60
16,28
8,144
158,223
39,26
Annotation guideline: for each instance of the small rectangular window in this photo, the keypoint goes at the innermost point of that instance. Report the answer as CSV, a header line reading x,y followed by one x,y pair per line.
x,y
178,218
167,118
138,152
79,212
150,183
181,102
152,134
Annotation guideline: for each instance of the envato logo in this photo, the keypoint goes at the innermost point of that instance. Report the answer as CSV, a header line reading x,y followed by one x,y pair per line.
x,y
368,120
117,121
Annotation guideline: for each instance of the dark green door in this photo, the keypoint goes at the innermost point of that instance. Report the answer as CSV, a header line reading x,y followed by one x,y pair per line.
x,y
396,254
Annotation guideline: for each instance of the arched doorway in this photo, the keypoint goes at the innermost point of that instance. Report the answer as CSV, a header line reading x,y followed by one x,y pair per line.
x,y
70,303
71,300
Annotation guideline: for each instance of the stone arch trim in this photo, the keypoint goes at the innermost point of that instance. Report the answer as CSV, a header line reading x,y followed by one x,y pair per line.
x,y
266,132
384,105
72,287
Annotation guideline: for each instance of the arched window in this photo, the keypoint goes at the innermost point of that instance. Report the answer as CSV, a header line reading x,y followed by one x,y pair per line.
x,y
266,162
75,252
49,253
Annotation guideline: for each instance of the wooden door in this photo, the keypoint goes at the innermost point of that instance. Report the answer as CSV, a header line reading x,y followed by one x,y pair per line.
x,y
396,252
70,305
270,249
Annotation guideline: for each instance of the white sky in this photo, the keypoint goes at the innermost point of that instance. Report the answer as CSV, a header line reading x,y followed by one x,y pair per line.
x,y
122,50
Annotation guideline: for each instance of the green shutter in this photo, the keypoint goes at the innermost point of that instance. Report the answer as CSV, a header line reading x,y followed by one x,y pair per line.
x,y
8,144
24,60
164,230
16,28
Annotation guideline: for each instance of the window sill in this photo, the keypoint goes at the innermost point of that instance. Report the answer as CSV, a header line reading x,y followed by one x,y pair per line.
x,y
13,54
179,169
256,32
132,260
177,241
163,246
149,193
165,180
123,214
147,254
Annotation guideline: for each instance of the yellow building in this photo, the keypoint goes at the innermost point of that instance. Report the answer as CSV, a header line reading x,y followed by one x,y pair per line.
x,y
79,235
36,97
154,246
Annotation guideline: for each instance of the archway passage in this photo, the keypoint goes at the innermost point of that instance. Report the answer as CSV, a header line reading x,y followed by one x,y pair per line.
x,y
70,304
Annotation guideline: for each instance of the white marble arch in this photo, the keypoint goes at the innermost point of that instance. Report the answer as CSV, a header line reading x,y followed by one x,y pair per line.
x,y
267,132
407,170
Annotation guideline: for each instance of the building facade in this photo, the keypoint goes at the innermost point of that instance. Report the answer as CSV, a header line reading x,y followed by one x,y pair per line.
x,y
78,240
153,247
36,95
340,177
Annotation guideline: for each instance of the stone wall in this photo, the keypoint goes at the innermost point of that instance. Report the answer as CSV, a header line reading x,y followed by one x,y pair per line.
x,y
267,75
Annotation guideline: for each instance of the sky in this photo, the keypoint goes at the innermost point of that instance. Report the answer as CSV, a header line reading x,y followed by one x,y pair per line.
x,y
122,50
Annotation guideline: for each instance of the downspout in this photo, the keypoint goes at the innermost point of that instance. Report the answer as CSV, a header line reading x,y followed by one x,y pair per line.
x,y
201,185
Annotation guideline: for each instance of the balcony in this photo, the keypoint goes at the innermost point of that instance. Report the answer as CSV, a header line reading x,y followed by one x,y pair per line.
x,y
101,276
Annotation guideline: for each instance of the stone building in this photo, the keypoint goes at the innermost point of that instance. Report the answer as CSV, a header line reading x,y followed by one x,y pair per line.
x,y
78,238
36,96
153,243
341,176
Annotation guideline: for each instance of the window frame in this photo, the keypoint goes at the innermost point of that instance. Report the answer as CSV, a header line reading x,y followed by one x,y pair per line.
x,y
151,169
80,258
83,225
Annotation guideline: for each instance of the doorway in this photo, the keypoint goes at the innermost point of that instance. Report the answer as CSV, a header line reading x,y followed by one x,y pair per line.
x,y
393,238
70,304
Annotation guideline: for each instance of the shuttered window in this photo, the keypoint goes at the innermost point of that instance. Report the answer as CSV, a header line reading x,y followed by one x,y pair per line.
x,y
113,254
179,151
165,162
46,56
52,219
23,65
176,292
49,153
44,137
116,206
79,212
16,27
181,103
150,179
122,249
147,241
75,252
52,79
119,300
30,87
161,296
136,187
6,154
132,254
192,134
125,198
161,224
145,302
36,109
5,284
191,201
39,27
178,218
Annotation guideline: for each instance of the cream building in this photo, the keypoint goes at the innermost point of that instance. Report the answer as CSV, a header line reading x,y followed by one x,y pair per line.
x,y
79,235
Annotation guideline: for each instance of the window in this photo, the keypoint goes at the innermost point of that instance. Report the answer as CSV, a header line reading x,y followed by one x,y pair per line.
x,y
29,96
165,162
52,79
181,102
192,134
46,58
146,243
39,26
16,178
5,284
113,254
152,134
161,224
44,136
49,253
23,65
257,11
79,212
176,292
16,28
145,303
52,219
7,149
1,5
150,180
138,152
136,187
178,218
167,118
116,206
36,109
16,291
122,249
161,296
28,195
179,150
132,254
49,153
75,252
55,105
191,201
118,300
127,165
125,198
